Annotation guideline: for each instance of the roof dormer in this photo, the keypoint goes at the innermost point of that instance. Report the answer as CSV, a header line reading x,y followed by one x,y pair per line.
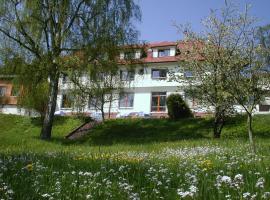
x,y
134,54
164,51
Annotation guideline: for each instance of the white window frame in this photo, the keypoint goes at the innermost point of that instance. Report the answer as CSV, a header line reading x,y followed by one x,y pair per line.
x,y
161,53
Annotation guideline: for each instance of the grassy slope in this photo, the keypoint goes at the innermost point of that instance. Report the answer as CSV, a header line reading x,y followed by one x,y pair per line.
x,y
20,146
21,133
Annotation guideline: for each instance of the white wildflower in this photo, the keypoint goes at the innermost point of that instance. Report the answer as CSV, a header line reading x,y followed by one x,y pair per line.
x,y
260,183
45,195
226,179
246,195
266,195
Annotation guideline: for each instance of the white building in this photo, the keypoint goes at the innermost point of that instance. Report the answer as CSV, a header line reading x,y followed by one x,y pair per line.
x,y
147,85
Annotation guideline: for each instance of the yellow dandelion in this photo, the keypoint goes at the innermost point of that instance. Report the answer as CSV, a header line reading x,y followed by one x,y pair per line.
x,y
29,167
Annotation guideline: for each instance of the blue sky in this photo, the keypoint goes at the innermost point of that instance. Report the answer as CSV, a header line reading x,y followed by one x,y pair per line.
x,y
158,16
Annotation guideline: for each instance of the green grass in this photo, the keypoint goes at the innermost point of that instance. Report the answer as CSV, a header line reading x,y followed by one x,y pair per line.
x,y
131,158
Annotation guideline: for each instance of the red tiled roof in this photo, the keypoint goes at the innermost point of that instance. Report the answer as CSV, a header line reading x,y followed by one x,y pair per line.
x,y
180,45
161,44
160,59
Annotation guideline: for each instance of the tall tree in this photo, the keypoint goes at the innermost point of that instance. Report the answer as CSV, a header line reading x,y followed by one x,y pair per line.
x,y
47,30
249,73
206,54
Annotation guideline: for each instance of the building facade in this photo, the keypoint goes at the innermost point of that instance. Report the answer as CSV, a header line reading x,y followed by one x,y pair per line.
x,y
8,96
145,87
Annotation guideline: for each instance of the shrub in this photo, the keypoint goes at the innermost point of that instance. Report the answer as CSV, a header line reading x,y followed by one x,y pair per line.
x,y
177,107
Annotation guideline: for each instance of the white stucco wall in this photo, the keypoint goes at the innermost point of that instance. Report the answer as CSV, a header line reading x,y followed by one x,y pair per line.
x,y
142,86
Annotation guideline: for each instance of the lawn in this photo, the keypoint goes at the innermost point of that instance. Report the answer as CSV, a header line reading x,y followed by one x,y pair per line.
x,y
134,159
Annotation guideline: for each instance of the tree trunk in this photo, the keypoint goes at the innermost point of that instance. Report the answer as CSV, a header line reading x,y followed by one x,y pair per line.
x,y
218,123
49,115
103,114
250,132
110,105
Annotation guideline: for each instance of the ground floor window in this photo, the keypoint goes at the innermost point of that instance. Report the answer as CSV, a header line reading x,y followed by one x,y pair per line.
x,y
158,102
94,103
126,100
67,101
264,108
3,91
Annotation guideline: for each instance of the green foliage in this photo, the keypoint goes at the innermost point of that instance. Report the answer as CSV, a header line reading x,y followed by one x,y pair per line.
x,y
177,107
34,98
42,32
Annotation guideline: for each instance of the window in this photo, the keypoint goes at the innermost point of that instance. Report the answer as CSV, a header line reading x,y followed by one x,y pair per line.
x,y
188,74
127,75
159,73
67,101
264,108
2,91
126,100
94,103
65,79
158,102
129,55
163,52
100,76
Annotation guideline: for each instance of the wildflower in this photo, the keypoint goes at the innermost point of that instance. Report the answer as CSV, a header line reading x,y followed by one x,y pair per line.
x,y
206,164
45,195
260,183
246,195
10,191
226,179
29,167
266,195
238,180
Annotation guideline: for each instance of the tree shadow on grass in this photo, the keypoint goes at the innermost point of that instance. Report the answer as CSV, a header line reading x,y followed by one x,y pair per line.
x,y
140,131
58,120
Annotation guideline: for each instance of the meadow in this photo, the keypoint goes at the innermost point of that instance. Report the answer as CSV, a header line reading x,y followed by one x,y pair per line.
x,y
134,159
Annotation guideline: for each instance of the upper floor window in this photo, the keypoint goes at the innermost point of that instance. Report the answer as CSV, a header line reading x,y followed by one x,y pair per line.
x,y
94,103
127,75
188,74
3,91
129,55
163,52
159,73
126,100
